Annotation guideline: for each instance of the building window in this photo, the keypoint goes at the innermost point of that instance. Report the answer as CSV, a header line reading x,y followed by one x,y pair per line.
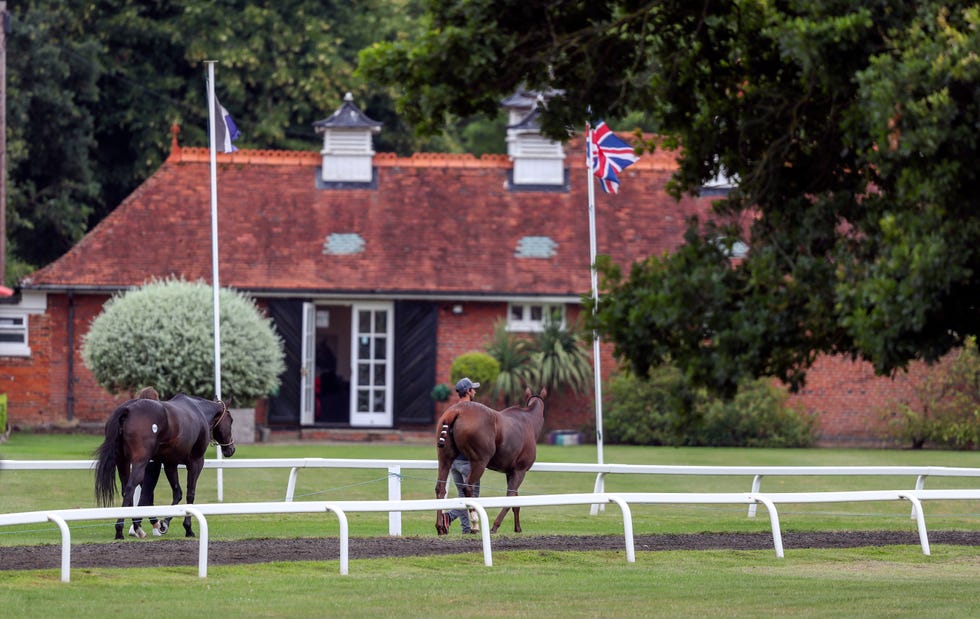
x,y
532,317
13,335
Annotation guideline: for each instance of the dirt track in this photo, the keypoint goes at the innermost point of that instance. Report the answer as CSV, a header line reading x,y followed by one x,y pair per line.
x,y
171,551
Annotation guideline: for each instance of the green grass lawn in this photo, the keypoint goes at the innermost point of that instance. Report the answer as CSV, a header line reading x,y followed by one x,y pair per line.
x,y
863,582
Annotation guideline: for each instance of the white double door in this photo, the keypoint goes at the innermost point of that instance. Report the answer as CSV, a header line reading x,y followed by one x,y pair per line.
x,y
370,363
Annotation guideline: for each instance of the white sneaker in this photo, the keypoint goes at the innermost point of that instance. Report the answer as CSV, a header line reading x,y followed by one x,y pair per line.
x,y
156,532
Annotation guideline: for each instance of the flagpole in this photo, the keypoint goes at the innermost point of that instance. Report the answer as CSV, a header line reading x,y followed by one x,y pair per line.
x,y
215,284
600,483
595,297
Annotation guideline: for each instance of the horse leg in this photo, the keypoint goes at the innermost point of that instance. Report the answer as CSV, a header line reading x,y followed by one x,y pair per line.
x,y
442,519
178,494
146,493
122,467
514,480
135,479
193,472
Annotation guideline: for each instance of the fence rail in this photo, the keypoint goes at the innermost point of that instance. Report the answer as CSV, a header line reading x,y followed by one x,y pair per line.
x,y
341,508
395,468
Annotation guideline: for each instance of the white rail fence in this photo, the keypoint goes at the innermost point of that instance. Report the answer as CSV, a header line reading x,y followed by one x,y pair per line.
x,y
341,508
396,467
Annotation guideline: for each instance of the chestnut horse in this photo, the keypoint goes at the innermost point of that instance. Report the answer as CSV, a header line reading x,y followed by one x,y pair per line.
x,y
143,434
503,441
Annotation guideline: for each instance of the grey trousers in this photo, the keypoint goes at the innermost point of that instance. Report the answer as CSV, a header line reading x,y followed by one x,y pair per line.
x,y
459,471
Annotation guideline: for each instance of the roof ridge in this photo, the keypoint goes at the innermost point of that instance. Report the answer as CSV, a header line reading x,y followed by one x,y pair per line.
x,y
184,154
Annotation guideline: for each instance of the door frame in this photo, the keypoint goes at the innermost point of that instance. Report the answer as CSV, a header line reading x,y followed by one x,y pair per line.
x,y
383,417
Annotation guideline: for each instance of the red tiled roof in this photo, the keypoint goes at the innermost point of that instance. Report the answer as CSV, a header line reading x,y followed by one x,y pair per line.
x,y
437,224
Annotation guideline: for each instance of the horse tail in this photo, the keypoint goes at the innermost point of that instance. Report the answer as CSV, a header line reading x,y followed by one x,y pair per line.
x,y
107,455
448,419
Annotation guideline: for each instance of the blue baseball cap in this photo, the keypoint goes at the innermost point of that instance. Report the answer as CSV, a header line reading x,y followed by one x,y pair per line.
x,y
465,385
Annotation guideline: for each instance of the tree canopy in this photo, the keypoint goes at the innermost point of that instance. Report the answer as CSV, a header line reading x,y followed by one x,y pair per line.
x,y
850,127
94,87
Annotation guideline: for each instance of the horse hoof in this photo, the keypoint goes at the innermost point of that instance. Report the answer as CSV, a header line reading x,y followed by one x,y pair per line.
x,y
119,535
157,532
137,533
164,526
442,525
190,534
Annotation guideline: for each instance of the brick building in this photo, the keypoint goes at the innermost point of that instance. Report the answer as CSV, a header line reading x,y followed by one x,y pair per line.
x,y
386,267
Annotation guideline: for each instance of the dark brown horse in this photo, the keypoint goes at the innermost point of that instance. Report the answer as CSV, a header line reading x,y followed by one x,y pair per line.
x,y
503,441
144,434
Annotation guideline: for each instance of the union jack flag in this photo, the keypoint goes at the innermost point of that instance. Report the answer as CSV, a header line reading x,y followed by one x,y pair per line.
x,y
607,156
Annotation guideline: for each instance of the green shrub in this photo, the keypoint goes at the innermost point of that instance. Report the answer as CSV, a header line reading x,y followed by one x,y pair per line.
x,y
162,335
758,416
652,411
665,410
477,366
441,392
946,408
3,416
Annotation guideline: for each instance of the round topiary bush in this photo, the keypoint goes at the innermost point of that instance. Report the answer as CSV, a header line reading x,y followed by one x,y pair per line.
x,y
477,366
162,334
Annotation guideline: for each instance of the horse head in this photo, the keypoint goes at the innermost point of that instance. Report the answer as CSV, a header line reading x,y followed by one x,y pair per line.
x,y
221,430
541,395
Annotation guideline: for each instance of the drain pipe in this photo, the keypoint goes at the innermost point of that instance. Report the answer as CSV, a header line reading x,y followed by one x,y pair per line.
x,y
71,355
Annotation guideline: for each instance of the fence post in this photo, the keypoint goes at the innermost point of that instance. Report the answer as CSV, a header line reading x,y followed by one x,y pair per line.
x,y
394,494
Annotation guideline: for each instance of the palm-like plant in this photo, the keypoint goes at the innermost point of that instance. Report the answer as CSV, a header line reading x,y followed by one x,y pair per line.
x,y
514,356
559,359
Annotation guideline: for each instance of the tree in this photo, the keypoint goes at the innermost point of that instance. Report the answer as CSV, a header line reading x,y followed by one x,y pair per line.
x,y
52,84
94,87
848,125
162,335
513,355
559,359
945,409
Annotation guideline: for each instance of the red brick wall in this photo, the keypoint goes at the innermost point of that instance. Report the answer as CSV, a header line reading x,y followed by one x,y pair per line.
x,y
37,387
463,333
848,398
850,401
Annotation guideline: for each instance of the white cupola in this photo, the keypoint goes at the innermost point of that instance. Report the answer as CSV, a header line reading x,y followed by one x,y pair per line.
x,y
537,159
348,149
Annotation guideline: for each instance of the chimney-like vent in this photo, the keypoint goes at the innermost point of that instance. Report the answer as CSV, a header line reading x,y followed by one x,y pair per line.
x,y
348,149
538,160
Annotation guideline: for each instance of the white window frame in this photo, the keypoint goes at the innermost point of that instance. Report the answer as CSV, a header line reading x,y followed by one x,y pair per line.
x,y
8,319
30,303
531,316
